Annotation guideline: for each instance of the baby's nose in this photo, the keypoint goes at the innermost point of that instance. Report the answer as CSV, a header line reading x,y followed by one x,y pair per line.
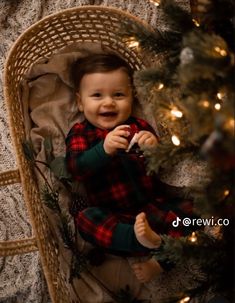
x,y
109,101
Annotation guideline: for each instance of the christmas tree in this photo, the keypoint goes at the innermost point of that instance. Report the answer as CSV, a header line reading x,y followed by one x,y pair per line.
x,y
191,91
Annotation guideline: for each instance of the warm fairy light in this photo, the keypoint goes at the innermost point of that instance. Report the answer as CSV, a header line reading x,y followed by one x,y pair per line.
x,y
160,86
226,192
217,106
176,113
230,124
155,2
196,22
132,42
221,51
193,237
175,140
220,95
205,103
184,300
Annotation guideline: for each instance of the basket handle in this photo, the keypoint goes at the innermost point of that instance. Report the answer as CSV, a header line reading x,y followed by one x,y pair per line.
x,y
10,177
18,247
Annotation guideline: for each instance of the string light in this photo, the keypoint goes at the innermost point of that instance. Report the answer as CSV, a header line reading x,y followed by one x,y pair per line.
x,y
196,22
184,300
230,124
176,113
175,140
160,86
155,2
132,42
226,192
193,238
220,95
217,106
221,51
204,103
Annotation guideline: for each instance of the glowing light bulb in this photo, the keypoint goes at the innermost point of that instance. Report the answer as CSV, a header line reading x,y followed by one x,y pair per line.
x,y
155,2
176,113
220,95
230,124
193,238
196,22
175,140
204,103
226,192
217,106
160,86
184,300
132,42
221,51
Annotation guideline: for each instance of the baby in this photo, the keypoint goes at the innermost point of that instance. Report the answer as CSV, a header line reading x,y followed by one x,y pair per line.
x,y
121,196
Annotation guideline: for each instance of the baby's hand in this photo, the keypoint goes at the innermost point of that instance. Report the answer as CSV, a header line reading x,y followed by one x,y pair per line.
x,y
116,139
146,139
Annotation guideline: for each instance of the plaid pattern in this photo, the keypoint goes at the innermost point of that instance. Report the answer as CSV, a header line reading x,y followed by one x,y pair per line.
x,y
97,225
118,187
117,182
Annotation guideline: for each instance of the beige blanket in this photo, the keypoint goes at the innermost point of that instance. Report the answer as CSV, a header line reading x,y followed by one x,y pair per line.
x,y
50,111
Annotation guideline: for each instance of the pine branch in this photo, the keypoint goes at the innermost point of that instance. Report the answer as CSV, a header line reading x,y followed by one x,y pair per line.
x,y
43,176
48,147
207,252
217,16
178,18
166,155
79,264
31,157
148,40
204,56
154,76
51,198
66,232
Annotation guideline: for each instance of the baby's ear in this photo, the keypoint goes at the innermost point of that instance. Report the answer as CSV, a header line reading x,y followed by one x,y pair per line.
x,y
79,102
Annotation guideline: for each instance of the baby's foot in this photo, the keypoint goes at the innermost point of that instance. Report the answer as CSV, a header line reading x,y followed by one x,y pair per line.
x,y
144,233
146,271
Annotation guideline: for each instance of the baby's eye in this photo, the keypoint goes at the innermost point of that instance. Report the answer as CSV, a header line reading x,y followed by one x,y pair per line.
x,y
96,95
119,94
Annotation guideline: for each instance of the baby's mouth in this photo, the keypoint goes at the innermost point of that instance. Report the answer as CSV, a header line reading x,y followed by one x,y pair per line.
x,y
108,114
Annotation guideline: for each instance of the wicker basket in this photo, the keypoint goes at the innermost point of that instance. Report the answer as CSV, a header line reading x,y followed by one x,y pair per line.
x,y
87,23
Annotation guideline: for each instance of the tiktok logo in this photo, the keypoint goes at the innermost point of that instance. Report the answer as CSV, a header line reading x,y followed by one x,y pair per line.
x,y
176,222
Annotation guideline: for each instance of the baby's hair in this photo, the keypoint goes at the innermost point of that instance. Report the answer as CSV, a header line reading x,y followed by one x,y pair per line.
x,y
98,63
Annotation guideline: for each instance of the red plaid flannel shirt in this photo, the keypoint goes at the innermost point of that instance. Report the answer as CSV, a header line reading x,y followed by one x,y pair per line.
x,y
119,181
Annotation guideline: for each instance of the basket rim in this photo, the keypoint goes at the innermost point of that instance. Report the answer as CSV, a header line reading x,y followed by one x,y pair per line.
x,y
109,9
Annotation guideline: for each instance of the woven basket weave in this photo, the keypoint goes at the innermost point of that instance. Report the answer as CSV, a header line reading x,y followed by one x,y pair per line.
x,y
81,24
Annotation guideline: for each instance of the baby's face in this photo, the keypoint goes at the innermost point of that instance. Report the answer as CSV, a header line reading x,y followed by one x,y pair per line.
x,y
106,98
